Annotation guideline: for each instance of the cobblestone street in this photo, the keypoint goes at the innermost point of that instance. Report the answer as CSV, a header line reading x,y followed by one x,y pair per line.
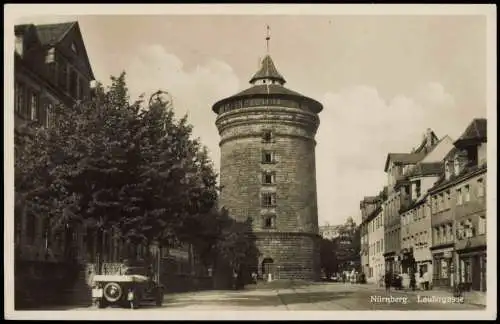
x,y
318,297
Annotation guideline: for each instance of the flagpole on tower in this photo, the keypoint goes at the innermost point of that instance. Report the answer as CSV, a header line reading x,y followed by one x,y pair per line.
x,y
268,38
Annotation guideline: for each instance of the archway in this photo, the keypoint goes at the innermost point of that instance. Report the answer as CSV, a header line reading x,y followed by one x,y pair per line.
x,y
267,266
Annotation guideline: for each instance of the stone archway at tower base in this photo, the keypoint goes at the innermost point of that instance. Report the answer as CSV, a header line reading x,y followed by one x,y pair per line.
x,y
288,256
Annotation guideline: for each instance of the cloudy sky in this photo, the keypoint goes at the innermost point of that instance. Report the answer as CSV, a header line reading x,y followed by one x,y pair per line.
x,y
382,79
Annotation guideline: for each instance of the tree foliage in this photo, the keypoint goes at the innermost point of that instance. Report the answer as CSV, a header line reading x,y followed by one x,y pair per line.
x,y
328,257
108,164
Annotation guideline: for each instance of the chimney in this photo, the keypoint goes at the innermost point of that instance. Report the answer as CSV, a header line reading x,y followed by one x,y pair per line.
x,y
429,138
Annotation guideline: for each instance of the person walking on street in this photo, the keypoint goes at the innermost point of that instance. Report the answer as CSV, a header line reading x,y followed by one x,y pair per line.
x,y
387,280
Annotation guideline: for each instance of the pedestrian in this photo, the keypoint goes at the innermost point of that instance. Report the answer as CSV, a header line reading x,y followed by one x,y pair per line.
x,y
387,281
412,280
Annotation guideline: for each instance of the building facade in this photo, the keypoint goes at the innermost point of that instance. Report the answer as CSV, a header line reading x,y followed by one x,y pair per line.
x,y
376,245
459,213
400,199
268,171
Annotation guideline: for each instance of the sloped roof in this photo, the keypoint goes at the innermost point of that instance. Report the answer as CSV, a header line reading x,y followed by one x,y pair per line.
x,y
272,90
403,158
268,89
425,169
21,29
476,131
371,199
268,71
52,34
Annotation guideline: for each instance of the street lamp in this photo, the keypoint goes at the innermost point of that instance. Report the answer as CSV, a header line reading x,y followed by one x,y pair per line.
x,y
160,96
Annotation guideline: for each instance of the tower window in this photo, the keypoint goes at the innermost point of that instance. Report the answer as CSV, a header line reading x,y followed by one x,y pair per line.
x,y
268,199
269,221
267,136
268,157
268,177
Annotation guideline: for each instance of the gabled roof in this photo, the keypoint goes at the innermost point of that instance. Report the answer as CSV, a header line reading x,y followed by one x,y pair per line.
x,y
21,29
403,158
52,34
268,71
476,131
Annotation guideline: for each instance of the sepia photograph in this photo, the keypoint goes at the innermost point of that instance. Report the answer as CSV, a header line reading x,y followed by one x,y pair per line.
x,y
250,162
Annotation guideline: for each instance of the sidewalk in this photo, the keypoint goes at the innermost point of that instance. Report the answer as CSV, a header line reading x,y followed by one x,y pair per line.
x,y
471,297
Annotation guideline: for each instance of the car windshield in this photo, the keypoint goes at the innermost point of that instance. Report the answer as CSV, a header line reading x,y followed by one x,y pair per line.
x,y
136,271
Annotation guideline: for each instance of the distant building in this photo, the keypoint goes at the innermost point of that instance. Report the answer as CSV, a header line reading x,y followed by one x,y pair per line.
x,y
329,231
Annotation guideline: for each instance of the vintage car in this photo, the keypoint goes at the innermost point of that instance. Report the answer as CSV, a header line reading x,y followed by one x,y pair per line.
x,y
130,289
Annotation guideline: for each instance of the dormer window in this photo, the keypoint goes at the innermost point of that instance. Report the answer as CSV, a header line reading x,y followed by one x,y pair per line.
x,y
457,166
447,170
73,48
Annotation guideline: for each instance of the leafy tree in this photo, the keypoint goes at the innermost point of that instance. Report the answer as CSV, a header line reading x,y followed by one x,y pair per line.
x,y
328,257
114,166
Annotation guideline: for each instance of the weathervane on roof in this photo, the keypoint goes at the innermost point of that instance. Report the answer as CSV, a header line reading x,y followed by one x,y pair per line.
x,y
268,38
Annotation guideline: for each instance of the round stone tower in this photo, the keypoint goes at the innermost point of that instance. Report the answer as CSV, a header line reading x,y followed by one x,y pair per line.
x,y
268,171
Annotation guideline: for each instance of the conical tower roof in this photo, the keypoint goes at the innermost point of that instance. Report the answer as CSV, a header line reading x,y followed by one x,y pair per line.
x,y
268,71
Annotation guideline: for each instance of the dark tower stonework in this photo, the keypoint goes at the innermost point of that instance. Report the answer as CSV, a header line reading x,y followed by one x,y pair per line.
x,y
268,171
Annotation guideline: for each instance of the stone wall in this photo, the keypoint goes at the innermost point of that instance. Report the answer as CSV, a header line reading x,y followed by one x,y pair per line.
x,y
295,256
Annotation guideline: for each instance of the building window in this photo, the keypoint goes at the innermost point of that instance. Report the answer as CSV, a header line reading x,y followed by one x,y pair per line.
x,y
34,107
469,229
267,136
268,177
19,95
63,76
73,48
269,221
48,112
466,193
51,56
457,166
268,199
481,228
417,189
450,232
480,187
268,157
459,197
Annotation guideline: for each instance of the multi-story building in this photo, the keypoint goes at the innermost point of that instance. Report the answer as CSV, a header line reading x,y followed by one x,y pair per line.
x,y
415,212
367,206
347,243
51,67
376,244
459,213
397,164
267,171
